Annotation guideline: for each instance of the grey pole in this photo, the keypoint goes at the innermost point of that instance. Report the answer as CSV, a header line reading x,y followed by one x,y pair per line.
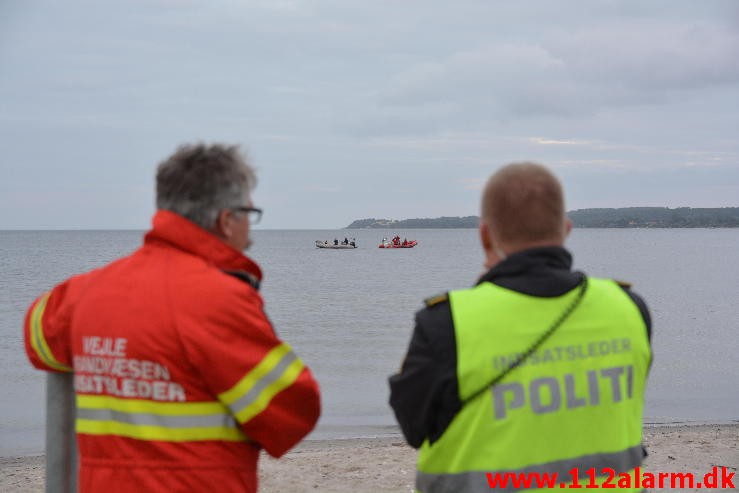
x,y
61,441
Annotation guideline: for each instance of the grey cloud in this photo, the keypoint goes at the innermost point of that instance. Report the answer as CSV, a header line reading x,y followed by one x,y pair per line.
x,y
570,74
396,97
652,56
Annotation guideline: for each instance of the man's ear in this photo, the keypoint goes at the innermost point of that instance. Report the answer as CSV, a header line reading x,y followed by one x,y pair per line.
x,y
487,244
494,252
223,228
568,227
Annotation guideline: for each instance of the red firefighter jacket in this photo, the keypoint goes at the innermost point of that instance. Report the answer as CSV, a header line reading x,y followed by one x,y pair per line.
x,y
179,377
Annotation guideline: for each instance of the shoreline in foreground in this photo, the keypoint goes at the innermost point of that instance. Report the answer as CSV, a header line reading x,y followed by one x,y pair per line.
x,y
387,464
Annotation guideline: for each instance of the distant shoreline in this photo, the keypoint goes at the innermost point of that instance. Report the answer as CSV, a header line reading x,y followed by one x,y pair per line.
x,y
623,218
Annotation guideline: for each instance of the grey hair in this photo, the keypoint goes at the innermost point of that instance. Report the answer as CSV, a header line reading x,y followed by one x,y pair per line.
x,y
199,180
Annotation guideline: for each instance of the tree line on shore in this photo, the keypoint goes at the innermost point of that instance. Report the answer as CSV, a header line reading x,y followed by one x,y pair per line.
x,y
626,217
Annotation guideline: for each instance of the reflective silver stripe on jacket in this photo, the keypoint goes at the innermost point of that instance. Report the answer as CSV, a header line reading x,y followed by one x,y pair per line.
x,y
256,391
477,482
165,421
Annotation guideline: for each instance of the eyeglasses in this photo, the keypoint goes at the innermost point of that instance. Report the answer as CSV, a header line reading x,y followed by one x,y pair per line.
x,y
255,213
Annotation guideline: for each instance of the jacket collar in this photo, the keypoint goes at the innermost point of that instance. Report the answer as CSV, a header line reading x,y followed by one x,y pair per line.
x,y
541,258
178,232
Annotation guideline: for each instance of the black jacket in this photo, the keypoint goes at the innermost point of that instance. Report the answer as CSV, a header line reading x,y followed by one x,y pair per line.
x,y
424,395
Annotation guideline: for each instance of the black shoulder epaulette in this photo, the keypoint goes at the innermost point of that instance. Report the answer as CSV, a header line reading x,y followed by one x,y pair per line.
x,y
435,300
245,277
623,284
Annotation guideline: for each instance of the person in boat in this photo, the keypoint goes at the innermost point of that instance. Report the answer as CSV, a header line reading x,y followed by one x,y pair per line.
x,y
346,241
405,241
536,367
353,242
336,241
396,240
186,306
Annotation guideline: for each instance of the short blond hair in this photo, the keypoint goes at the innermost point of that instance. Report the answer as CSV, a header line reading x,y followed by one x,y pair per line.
x,y
523,202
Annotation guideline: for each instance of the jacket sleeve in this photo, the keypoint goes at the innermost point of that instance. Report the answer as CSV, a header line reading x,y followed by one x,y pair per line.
x,y
46,330
424,394
269,390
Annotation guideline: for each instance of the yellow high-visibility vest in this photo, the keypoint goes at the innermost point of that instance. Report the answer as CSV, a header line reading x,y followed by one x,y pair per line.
x,y
576,402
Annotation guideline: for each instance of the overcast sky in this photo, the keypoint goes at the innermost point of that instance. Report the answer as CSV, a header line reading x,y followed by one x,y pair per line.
x,y
357,109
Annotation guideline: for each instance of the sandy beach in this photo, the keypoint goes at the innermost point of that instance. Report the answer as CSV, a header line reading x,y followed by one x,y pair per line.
x,y
383,465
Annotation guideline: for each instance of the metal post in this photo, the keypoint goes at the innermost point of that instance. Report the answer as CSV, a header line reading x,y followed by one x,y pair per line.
x,y
61,441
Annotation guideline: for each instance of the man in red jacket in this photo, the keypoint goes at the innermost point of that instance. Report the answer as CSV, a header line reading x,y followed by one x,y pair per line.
x,y
180,379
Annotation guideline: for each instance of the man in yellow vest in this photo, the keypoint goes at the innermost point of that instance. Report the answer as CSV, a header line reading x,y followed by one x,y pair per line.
x,y
533,378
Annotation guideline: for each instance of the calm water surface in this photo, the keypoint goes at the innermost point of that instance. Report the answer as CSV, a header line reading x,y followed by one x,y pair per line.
x,y
349,313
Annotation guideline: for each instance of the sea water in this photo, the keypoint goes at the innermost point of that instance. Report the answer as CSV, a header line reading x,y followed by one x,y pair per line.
x,y
349,313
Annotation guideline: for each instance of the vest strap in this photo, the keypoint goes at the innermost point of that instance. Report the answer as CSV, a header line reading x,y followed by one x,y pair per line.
x,y
583,287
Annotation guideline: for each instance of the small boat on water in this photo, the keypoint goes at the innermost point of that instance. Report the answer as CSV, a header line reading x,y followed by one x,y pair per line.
x,y
334,245
396,243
